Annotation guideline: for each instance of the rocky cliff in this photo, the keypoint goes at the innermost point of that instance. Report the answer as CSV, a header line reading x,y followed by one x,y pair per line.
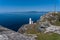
x,y
48,23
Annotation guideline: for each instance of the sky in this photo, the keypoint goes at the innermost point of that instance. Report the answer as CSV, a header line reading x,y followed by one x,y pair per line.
x,y
29,5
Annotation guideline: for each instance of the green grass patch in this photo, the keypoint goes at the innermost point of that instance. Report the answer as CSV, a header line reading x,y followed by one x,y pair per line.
x,y
52,36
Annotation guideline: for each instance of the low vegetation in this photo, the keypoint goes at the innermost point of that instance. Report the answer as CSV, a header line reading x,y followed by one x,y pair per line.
x,y
50,36
43,36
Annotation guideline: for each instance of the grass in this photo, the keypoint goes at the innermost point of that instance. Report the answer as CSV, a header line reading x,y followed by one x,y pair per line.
x,y
43,36
57,23
32,31
52,36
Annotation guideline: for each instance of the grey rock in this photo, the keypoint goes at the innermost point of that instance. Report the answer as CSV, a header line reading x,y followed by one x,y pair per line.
x,y
7,34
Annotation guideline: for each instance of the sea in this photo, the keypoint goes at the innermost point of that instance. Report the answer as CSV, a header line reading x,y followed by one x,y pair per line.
x,y
14,20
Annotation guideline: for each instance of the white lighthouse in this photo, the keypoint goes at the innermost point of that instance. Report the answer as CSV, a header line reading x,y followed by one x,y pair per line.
x,y
30,21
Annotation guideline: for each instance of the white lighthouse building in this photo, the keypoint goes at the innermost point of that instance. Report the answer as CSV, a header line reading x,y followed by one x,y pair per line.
x,y
30,21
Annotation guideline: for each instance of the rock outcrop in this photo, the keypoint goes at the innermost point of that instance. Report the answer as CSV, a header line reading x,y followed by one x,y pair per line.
x,y
7,34
53,29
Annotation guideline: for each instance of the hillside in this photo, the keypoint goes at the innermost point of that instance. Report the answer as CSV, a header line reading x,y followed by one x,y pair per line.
x,y
46,28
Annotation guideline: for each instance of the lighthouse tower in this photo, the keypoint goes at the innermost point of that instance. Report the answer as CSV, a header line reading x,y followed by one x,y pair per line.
x,y
30,21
